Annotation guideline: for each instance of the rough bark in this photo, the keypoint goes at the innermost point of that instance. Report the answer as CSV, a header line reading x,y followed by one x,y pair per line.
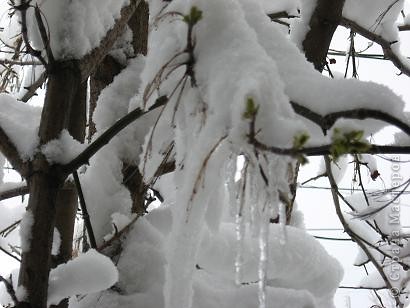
x,y
67,197
323,23
45,182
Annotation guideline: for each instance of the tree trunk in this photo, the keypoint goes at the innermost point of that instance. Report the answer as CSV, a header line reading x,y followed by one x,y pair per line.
x,y
67,199
45,181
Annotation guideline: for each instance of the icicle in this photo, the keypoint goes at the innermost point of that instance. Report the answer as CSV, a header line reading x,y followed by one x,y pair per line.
x,y
230,186
263,257
251,196
240,223
282,223
240,232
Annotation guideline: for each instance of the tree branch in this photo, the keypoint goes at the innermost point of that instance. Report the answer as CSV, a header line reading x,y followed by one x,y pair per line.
x,y
111,132
404,27
386,45
19,62
14,192
327,121
90,61
31,90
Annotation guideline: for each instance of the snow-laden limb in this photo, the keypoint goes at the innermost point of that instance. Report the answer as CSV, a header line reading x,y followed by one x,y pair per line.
x,y
376,21
90,272
76,27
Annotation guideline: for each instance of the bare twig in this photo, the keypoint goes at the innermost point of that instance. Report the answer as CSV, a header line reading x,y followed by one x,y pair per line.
x,y
9,254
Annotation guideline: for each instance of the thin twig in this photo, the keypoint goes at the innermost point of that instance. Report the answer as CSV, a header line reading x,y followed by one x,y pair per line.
x,y
9,254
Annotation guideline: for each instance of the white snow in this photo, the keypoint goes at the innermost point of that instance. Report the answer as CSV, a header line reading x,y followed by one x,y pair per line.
x,y
63,149
88,273
55,249
25,230
20,122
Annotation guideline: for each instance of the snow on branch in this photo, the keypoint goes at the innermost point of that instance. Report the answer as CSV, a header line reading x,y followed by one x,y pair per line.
x,y
90,61
327,121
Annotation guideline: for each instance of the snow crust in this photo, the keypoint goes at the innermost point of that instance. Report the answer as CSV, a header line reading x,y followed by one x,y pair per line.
x,y
90,272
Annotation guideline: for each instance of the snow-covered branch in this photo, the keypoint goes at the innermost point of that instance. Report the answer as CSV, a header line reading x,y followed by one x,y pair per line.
x,y
90,61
